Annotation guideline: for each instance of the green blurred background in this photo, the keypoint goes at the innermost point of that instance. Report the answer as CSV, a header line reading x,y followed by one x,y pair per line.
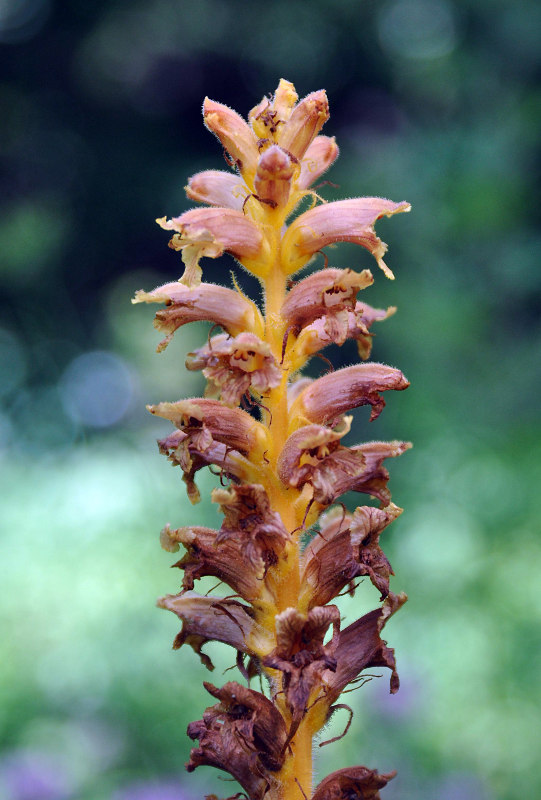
x,y
433,101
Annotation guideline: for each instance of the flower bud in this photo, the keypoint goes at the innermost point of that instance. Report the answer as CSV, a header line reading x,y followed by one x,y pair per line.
x,y
235,135
273,177
322,152
305,122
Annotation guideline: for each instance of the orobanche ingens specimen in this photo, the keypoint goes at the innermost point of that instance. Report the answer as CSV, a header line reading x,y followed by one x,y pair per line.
x,y
275,438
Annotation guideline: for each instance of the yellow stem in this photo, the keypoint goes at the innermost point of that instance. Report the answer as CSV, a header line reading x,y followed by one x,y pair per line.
x,y
296,776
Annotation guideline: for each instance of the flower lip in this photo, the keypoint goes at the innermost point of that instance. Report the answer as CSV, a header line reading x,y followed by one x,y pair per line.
x,y
231,426
347,548
219,619
223,228
225,560
360,647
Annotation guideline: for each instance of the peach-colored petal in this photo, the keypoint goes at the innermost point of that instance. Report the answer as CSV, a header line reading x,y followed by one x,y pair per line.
x,y
321,153
235,135
225,229
217,188
341,221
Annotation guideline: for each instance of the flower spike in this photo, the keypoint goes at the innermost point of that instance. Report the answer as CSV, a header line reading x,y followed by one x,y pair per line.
x,y
276,441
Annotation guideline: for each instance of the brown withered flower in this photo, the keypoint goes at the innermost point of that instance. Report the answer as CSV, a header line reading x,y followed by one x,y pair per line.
x,y
276,440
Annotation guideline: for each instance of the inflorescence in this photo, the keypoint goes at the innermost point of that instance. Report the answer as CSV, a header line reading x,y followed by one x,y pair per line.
x,y
276,439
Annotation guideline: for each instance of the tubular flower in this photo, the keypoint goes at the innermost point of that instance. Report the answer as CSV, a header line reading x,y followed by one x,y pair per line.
x,y
276,439
236,365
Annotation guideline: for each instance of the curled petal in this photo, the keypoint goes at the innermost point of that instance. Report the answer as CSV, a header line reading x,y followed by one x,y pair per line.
x,y
346,548
225,307
231,426
213,231
359,323
334,328
301,655
305,122
217,188
320,155
237,364
375,476
326,398
244,734
352,783
274,176
360,647
313,455
235,135
207,556
191,452
341,221
219,619
326,291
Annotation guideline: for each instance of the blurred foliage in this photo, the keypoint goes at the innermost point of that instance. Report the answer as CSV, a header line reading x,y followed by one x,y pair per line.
x,y
433,101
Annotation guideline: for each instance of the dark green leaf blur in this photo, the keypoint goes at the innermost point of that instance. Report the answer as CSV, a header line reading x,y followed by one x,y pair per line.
x,y
437,102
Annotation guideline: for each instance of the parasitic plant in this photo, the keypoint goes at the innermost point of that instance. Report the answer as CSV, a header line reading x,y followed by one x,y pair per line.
x,y
276,439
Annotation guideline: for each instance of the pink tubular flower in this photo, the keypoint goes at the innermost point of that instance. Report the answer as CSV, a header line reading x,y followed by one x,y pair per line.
x,y
225,307
327,398
341,221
